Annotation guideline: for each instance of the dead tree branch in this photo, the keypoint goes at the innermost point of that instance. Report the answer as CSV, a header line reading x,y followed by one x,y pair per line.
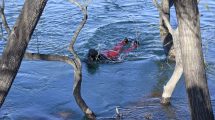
x,y
78,67
4,20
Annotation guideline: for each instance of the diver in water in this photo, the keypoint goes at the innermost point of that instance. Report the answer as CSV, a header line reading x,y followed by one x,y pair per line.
x,y
112,54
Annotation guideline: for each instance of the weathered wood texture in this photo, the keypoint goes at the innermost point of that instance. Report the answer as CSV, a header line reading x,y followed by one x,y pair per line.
x,y
17,44
192,59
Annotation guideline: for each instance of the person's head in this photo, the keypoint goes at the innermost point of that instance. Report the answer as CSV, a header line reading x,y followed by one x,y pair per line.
x,y
92,55
126,40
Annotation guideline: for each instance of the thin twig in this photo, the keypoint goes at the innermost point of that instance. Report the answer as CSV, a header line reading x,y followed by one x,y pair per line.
x,y
166,21
4,20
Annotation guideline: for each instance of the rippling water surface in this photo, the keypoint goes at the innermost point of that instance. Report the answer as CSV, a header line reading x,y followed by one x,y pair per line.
x,y
43,90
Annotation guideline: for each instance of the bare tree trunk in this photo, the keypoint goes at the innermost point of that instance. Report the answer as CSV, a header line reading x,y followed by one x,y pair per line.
x,y
17,44
166,37
192,57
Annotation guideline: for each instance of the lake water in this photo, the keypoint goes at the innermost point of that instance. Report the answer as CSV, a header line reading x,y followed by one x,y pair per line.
x,y
43,90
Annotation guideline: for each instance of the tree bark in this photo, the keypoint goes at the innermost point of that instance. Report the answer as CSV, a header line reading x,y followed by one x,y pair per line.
x,y
17,44
192,59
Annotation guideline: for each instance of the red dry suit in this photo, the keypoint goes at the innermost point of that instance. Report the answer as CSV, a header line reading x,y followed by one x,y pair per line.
x,y
114,53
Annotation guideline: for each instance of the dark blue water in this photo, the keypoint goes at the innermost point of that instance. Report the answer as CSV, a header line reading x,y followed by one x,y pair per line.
x,y
43,90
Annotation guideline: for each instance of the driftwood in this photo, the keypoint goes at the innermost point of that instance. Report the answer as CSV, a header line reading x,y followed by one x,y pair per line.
x,y
78,66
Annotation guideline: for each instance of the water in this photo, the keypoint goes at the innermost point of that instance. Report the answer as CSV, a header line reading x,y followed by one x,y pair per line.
x,y
43,90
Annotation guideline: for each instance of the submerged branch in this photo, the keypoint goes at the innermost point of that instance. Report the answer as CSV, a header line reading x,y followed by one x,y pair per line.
x,y
166,21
